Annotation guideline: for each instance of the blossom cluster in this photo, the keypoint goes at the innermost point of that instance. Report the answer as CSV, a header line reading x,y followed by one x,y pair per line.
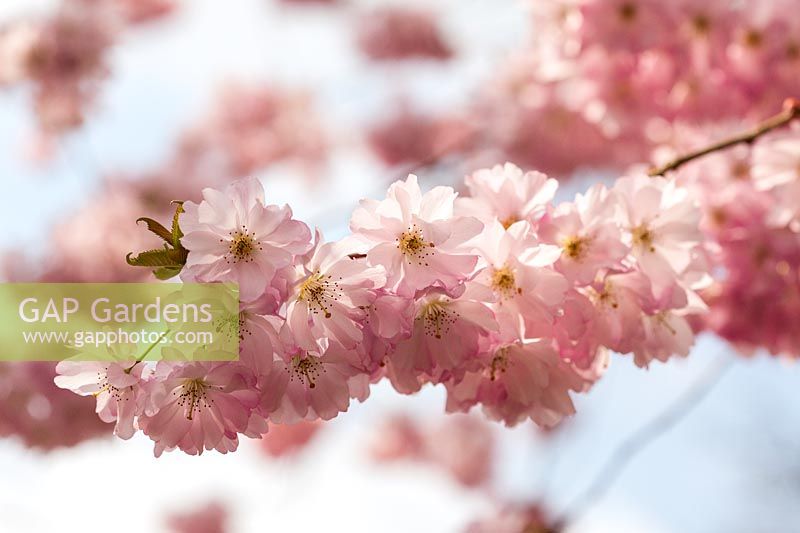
x,y
750,197
64,57
616,75
247,129
509,301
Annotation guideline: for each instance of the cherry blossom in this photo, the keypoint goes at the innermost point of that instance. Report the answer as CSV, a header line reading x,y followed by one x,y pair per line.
x,y
519,381
200,406
416,238
330,297
587,233
506,193
236,236
447,337
116,387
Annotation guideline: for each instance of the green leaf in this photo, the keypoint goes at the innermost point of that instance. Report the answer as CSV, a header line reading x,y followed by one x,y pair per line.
x,y
165,273
152,258
176,228
156,228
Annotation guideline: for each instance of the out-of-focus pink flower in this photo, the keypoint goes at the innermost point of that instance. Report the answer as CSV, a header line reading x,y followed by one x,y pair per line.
x,y
254,126
91,245
464,446
289,439
210,518
411,137
416,238
507,194
530,518
776,159
397,437
394,33
40,414
143,11
461,445
234,236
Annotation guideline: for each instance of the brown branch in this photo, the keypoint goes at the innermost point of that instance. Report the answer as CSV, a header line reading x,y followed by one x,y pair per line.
x,y
791,111
356,256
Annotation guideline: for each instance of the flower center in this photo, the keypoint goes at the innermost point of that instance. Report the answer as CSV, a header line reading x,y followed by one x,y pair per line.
x,y
319,292
606,296
413,245
753,38
503,282
792,51
499,363
105,386
437,318
575,247
701,24
627,12
193,396
643,236
740,170
306,369
242,247
510,221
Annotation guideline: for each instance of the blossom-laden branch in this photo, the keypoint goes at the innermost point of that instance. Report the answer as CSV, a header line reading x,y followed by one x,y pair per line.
x,y
790,112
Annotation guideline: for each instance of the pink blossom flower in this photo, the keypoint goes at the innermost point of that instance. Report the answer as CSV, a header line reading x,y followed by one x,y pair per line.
x,y
395,34
666,333
389,320
661,221
587,233
210,518
519,381
518,279
505,193
115,385
200,406
410,137
447,337
527,518
461,445
233,236
397,437
464,446
620,300
330,298
39,414
311,385
285,440
416,238
776,160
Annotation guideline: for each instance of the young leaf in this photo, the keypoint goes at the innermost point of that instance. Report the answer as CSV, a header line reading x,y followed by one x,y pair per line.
x,y
176,228
156,228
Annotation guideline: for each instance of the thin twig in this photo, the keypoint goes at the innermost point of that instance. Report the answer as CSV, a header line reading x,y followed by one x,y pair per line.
x,y
647,434
791,111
